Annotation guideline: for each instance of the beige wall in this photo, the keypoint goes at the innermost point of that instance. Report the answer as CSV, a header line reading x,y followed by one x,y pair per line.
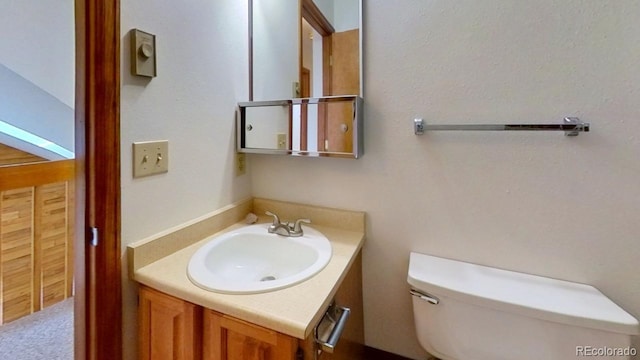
x,y
533,202
202,52
37,73
38,43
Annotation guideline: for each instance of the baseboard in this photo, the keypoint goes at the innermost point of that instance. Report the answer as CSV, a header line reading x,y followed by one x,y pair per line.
x,y
377,354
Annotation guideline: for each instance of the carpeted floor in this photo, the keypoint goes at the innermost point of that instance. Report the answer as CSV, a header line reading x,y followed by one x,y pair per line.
x,y
47,334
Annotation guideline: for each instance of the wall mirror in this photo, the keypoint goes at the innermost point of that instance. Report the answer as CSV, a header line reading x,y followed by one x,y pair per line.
x,y
328,126
304,48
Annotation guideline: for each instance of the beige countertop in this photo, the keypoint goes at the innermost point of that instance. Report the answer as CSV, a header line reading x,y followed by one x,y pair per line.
x,y
293,311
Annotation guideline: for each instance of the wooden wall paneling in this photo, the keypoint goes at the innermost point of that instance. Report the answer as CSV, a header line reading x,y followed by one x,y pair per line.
x,y
16,247
53,239
37,249
12,156
71,213
35,241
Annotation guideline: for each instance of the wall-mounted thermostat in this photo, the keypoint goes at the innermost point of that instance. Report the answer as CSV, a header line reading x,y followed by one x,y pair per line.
x,y
143,53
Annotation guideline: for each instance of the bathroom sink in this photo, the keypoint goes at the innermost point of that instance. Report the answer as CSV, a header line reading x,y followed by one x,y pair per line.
x,y
251,260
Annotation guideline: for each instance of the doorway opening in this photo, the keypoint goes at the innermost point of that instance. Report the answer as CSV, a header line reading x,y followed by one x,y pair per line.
x,y
37,168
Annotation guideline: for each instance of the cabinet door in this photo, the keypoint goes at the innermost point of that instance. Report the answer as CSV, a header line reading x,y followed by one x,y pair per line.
x,y
226,338
168,328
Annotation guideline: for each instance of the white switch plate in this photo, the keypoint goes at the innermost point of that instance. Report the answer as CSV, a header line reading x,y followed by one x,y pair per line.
x,y
241,164
150,157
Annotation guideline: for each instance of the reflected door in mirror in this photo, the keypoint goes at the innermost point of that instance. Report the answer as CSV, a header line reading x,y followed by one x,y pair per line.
x,y
304,44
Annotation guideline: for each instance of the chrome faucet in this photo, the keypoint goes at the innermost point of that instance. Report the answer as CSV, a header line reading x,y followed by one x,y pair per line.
x,y
286,229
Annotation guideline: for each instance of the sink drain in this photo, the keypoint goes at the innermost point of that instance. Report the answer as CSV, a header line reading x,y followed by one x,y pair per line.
x,y
268,278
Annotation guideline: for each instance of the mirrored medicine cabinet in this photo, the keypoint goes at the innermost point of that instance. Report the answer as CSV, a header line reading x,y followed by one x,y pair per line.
x,y
328,126
305,79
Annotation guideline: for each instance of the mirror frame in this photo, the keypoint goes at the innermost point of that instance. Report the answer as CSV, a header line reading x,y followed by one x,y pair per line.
x,y
357,124
302,9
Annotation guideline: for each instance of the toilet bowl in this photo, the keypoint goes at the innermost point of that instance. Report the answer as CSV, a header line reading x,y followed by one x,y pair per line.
x,y
464,311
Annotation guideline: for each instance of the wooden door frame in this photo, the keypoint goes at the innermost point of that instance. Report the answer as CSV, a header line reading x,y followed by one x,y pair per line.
x,y
98,299
314,16
305,92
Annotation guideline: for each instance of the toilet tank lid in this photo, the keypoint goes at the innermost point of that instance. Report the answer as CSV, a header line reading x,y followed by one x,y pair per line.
x,y
529,295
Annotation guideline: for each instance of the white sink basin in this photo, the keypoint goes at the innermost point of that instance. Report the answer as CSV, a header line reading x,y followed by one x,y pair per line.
x,y
250,260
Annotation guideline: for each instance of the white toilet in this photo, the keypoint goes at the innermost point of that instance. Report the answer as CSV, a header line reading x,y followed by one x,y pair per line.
x,y
464,311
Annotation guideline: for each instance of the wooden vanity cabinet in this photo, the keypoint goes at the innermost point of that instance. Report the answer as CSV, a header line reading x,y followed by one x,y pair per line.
x,y
227,338
171,328
168,328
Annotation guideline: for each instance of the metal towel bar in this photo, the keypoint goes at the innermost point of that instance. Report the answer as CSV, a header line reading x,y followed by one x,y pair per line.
x,y
572,126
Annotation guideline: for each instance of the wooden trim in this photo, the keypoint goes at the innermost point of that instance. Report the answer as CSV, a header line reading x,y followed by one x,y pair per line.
x,y
71,215
327,74
322,125
316,18
19,176
312,14
79,312
98,310
304,126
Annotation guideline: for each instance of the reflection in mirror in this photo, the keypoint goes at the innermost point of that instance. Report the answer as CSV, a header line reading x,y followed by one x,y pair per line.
x,y
330,126
304,48
267,127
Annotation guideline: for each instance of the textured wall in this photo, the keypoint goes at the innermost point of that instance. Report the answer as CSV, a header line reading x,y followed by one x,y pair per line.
x,y
202,74
275,49
534,202
27,106
38,43
37,71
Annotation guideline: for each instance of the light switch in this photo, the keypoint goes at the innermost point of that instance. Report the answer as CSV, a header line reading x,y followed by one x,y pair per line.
x,y
281,138
150,157
143,53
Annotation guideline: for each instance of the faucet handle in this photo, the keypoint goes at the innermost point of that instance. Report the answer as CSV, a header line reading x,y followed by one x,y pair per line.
x,y
276,219
298,225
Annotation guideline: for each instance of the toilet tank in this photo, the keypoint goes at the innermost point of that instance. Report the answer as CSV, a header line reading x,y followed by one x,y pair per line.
x,y
464,311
